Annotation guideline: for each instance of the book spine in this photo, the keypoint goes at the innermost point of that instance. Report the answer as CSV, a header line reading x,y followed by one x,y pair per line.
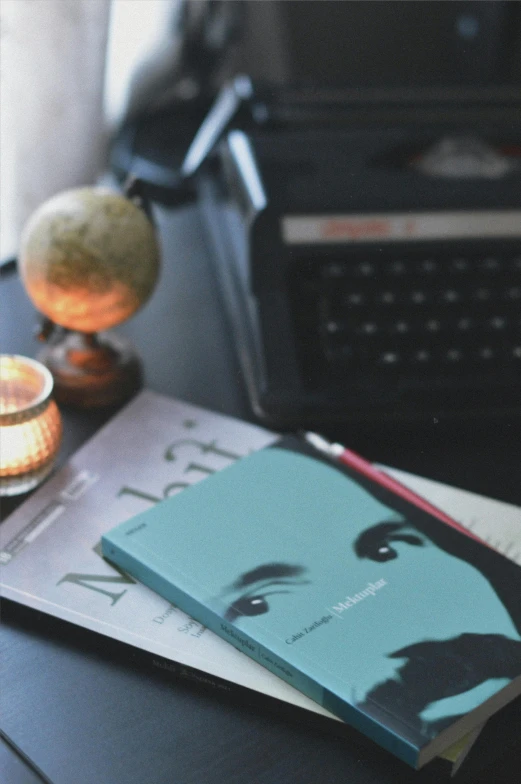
x,y
154,579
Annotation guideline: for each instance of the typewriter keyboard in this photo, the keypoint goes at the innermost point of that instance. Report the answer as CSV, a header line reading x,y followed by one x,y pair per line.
x,y
414,320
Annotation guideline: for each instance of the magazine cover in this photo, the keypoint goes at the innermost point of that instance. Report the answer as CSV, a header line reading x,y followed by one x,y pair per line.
x,y
50,548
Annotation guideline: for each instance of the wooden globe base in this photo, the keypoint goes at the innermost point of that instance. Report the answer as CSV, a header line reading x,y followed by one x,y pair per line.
x,y
92,370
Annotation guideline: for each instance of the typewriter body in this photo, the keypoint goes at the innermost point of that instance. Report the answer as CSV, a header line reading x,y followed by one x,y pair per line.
x,y
369,253
361,190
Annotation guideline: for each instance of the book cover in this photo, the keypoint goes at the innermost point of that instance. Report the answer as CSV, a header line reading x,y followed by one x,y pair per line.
x,y
396,622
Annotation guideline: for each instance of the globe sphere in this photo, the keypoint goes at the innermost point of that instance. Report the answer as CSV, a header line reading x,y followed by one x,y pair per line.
x,y
89,258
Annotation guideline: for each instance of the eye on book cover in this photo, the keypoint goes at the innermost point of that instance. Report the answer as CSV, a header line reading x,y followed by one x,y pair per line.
x,y
351,594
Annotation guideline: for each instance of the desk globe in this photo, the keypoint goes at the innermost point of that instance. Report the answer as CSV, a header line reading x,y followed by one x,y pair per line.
x,y
89,259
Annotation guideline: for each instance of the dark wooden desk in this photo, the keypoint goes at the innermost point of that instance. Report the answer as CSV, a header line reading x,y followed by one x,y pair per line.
x,y
83,718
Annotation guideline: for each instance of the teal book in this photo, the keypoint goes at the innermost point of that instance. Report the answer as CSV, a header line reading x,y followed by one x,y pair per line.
x,y
395,621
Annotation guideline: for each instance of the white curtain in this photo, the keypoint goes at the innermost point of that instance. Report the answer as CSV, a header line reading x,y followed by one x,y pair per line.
x,y
58,101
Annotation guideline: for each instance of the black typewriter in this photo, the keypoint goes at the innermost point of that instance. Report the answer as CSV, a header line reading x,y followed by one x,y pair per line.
x,y
362,197
364,210
366,280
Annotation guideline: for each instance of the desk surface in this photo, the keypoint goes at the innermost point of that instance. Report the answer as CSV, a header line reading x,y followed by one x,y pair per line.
x,y
82,717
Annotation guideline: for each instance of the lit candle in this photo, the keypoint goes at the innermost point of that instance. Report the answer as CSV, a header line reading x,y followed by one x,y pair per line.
x,y
30,424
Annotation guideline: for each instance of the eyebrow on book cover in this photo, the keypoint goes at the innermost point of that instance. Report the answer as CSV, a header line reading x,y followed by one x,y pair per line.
x,y
368,539
266,572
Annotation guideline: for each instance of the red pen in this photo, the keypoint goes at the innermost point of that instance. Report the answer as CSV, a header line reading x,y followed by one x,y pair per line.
x,y
364,467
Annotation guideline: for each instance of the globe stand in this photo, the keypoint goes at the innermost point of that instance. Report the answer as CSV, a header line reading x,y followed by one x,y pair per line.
x,y
92,370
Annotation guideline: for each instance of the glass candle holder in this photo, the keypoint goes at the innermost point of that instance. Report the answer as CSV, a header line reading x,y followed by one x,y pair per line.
x,y
30,424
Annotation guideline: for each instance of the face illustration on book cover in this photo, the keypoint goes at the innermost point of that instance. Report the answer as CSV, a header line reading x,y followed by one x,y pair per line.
x,y
421,626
